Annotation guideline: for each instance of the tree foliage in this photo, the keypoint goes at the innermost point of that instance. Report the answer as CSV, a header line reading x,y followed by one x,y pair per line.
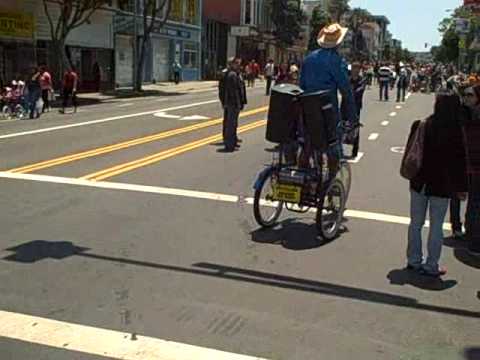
x,y
338,8
320,18
288,17
155,14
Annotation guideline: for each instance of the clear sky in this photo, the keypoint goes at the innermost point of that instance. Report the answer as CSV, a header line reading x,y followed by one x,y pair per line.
x,y
415,22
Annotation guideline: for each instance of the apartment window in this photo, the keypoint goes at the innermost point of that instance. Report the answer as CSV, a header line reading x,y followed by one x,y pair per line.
x,y
176,13
190,55
126,5
191,17
248,12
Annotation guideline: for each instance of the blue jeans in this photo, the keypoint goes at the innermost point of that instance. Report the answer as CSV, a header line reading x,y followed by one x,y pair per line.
x,y
419,203
384,88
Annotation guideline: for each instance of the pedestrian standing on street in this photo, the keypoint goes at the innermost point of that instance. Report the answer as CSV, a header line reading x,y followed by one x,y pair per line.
x,y
359,84
97,76
233,98
69,89
177,72
269,74
46,85
441,175
282,75
34,93
294,73
471,135
384,79
402,84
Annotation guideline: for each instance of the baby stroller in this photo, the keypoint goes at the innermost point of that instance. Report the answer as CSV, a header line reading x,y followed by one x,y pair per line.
x,y
13,101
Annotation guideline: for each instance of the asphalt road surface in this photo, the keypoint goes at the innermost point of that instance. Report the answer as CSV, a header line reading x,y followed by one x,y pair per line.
x,y
125,234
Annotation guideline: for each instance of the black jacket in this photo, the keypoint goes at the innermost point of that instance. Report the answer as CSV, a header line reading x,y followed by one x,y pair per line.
x,y
443,172
232,91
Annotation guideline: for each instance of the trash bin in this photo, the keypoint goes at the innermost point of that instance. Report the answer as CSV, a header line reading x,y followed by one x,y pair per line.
x,y
320,118
283,112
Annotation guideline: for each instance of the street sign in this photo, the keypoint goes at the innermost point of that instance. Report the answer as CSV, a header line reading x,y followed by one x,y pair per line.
x,y
240,31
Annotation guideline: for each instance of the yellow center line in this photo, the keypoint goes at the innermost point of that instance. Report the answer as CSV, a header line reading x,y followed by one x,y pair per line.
x,y
151,159
123,145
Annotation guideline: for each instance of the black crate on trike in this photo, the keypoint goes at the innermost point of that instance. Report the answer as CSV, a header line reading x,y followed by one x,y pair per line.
x,y
300,177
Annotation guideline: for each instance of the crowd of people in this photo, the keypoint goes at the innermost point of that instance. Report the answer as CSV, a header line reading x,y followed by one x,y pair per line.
x,y
450,167
33,95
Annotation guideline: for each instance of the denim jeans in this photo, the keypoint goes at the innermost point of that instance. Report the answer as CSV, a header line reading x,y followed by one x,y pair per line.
x,y
419,203
384,88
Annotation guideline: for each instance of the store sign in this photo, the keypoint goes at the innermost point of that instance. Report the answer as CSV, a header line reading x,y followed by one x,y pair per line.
x,y
240,31
16,25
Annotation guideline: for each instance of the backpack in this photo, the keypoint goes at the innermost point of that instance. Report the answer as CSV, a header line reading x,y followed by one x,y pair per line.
x,y
413,157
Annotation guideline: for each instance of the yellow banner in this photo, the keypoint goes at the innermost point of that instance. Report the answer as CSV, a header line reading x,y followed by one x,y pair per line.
x,y
16,25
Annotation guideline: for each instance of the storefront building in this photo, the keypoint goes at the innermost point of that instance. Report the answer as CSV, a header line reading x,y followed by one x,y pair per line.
x,y
17,42
25,42
178,40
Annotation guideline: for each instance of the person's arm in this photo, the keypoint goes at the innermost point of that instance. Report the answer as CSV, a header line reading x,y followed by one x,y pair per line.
x,y
345,88
303,82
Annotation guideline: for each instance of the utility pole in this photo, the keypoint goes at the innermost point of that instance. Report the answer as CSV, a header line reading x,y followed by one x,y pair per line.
x,y
135,43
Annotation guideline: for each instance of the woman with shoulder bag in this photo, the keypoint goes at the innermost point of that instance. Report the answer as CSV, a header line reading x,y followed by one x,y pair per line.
x,y
441,175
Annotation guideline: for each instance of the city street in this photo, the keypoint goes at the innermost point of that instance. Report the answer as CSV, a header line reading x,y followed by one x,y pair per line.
x,y
125,217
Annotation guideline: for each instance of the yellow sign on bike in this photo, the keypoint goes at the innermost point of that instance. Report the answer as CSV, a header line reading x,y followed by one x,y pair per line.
x,y
287,193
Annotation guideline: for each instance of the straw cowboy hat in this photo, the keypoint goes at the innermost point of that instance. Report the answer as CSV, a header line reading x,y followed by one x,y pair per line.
x,y
331,36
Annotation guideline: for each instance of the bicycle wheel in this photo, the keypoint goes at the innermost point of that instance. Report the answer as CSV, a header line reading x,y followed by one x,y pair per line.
x,y
265,210
20,112
345,176
330,211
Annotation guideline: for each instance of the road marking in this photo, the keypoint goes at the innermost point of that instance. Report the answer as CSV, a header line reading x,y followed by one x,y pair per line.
x,y
106,343
166,116
373,136
194,117
357,159
101,121
385,123
125,105
151,159
398,149
192,194
392,114
126,144
398,107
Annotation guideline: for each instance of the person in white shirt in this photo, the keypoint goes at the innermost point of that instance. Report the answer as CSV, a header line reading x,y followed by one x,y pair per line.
x,y
269,74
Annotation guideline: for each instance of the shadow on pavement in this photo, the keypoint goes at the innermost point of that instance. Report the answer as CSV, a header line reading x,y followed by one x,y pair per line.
x,y
462,255
408,277
472,353
293,234
39,250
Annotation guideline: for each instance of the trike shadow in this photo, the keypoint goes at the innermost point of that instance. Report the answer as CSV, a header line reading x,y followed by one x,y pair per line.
x,y
294,234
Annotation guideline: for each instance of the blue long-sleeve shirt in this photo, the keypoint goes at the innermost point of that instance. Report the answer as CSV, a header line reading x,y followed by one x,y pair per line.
x,y
325,69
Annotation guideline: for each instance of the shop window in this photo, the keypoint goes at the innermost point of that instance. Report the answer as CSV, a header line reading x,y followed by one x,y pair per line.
x,y
190,55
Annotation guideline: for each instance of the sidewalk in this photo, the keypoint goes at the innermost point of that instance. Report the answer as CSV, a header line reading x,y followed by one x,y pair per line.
x,y
158,89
